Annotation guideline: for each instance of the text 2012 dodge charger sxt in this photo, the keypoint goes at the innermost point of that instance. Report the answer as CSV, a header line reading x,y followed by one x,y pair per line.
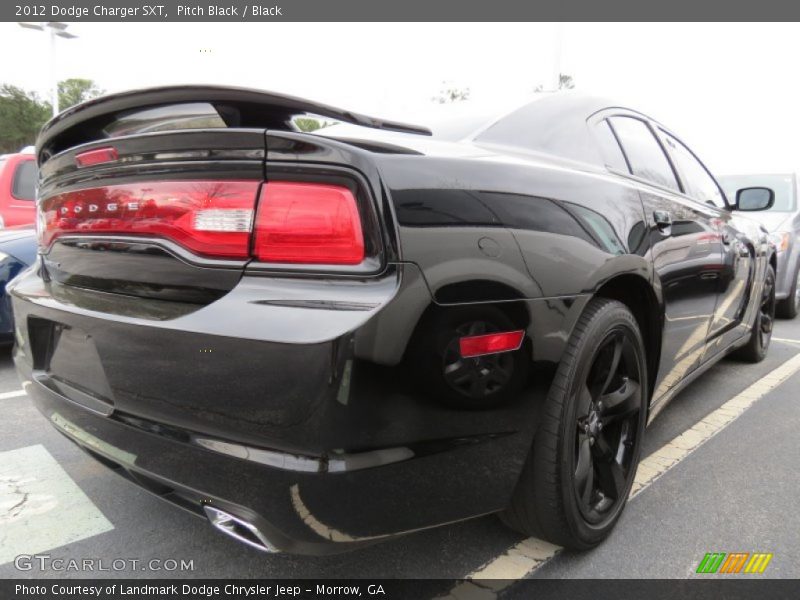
x,y
320,340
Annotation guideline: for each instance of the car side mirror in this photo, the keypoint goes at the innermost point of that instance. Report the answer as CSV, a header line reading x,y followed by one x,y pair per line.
x,y
755,198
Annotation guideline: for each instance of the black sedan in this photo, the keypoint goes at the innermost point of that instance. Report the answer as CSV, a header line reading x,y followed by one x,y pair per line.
x,y
319,340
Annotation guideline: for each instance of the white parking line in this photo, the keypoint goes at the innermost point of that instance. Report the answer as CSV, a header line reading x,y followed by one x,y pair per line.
x,y
666,457
528,555
14,394
41,507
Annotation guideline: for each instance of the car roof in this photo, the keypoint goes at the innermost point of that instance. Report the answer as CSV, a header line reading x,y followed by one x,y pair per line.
x,y
555,124
552,123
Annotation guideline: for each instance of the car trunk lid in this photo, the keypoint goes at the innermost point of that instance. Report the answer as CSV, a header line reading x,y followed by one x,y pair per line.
x,y
155,194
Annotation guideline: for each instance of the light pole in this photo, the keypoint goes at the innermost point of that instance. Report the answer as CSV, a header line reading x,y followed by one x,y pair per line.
x,y
54,29
558,50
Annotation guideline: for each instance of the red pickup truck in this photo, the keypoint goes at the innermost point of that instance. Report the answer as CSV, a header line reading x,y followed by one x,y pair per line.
x,y
17,189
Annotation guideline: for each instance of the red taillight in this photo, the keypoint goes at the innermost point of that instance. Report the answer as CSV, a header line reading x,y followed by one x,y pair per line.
x,y
492,343
210,218
96,157
298,223
308,223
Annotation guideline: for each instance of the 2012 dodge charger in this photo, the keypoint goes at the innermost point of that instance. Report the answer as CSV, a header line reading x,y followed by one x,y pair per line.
x,y
318,340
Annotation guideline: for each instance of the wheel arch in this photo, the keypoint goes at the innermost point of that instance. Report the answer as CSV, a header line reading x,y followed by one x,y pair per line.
x,y
638,295
517,312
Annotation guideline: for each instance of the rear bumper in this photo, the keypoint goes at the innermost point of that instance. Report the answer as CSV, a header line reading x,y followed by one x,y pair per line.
x,y
325,442
298,512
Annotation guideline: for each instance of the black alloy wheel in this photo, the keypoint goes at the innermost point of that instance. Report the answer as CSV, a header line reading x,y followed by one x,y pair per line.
x,y
755,350
795,297
479,382
766,310
609,407
576,481
790,306
477,377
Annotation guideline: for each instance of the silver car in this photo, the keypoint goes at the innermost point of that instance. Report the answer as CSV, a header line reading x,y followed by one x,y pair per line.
x,y
783,223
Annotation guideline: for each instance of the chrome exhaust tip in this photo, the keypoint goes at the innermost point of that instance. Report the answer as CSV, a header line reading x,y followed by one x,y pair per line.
x,y
238,529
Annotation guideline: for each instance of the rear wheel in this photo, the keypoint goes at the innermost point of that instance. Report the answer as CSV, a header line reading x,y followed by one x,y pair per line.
x,y
790,306
756,348
577,479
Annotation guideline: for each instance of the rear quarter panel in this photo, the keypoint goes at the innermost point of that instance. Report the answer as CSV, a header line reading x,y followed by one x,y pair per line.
x,y
520,229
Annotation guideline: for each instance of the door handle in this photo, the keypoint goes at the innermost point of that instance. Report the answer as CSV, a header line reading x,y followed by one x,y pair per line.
x,y
663,221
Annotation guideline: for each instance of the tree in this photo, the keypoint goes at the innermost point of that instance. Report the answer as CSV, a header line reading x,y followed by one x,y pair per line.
x,y
565,82
450,93
76,90
308,124
22,114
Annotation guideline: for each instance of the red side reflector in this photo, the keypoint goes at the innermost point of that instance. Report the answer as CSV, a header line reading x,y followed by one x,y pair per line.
x,y
492,343
210,218
310,223
96,157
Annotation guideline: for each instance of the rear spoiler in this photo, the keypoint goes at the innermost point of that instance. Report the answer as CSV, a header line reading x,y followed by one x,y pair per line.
x,y
238,107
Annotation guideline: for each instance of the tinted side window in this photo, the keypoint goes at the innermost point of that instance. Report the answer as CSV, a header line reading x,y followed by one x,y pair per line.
x,y
645,155
609,147
698,183
24,186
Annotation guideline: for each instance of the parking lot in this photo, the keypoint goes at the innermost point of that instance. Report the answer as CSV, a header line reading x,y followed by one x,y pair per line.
x,y
732,488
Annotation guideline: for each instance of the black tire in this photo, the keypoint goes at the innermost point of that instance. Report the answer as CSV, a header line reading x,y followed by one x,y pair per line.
x,y
495,379
790,306
546,502
756,348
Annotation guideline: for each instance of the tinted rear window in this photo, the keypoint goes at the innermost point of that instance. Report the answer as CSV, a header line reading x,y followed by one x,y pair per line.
x,y
195,115
24,186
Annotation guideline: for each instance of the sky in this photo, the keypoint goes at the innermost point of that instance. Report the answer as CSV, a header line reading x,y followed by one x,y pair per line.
x,y
730,91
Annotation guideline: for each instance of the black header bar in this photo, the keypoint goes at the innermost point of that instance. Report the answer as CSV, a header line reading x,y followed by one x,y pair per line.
x,y
398,10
